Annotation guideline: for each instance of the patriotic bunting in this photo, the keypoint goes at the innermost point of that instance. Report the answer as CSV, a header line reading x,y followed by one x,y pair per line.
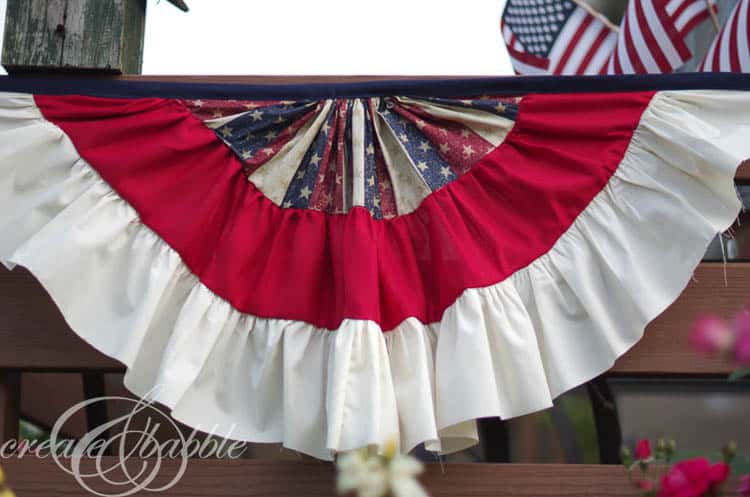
x,y
338,266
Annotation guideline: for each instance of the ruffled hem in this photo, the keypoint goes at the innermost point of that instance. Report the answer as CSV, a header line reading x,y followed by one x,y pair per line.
x,y
503,350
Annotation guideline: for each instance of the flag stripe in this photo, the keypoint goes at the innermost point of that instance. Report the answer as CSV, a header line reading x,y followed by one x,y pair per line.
x,y
589,64
688,12
573,40
654,59
669,40
734,59
568,60
694,22
730,50
723,54
630,48
564,39
742,37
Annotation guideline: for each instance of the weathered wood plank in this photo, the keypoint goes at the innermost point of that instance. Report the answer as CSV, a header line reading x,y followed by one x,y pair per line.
x,y
246,478
32,37
133,36
75,35
104,35
35,336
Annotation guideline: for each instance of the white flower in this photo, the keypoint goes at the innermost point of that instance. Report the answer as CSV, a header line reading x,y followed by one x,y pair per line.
x,y
377,476
403,472
405,466
374,481
361,474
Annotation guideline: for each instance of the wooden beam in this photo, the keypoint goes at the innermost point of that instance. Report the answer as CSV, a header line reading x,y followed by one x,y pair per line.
x,y
665,349
10,405
606,419
34,33
31,477
104,35
74,35
33,333
247,478
35,336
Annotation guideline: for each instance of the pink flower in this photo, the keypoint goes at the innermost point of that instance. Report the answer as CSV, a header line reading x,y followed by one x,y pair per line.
x,y
693,478
719,473
744,489
742,340
711,335
643,449
646,485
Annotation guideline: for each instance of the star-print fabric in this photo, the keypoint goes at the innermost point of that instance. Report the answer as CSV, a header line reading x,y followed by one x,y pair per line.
x,y
384,154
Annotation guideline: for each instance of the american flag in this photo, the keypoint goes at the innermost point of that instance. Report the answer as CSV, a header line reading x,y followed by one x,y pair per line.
x,y
730,50
652,35
567,37
555,37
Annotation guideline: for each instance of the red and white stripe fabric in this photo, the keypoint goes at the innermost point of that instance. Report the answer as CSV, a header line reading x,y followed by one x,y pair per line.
x,y
527,275
584,45
688,14
730,50
652,36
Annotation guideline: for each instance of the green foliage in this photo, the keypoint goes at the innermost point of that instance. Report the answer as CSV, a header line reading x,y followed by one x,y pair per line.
x,y
578,409
739,374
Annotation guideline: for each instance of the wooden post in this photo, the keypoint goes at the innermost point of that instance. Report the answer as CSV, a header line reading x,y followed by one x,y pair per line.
x,y
74,35
10,404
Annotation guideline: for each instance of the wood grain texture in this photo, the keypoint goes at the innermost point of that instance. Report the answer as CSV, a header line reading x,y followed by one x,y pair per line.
x,y
10,399
104,35
247,478
664,348
75,35
133,36
31,35
35,336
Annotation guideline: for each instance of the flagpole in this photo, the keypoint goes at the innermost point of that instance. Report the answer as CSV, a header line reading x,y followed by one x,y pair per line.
x,y
599,15
714,17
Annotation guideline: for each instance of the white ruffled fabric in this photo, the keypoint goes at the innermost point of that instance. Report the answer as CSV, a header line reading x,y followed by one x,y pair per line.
x,y
505,350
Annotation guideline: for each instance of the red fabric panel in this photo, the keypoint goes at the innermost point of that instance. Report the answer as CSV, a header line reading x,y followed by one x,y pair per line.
x,y
310,266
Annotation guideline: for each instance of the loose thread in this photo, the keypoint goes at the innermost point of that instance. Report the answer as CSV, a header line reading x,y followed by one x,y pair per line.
x,y
724,259
439,458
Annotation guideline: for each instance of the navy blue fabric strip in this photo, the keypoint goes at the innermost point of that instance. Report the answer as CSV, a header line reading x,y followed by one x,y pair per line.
x,y
513,85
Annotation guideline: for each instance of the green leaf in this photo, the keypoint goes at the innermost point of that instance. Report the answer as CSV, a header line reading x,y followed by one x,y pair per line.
x,y
739,374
